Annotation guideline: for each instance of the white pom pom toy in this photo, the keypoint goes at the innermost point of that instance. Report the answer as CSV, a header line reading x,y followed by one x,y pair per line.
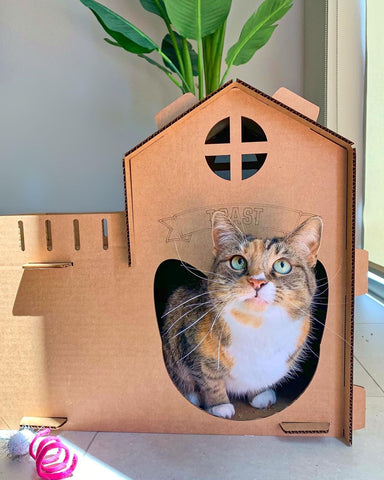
x,y
18,444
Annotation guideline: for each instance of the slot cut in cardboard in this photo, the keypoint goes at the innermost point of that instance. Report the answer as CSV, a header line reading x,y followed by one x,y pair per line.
x,y
76,233
48,233
21,235
104,226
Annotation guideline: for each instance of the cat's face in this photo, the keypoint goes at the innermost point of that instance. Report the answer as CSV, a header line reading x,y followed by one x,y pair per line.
x,y
253,274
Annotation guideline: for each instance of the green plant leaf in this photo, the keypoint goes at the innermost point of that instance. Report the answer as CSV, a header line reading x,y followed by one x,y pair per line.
x,y
165,70
168,48
155,6
257,31
157,64
197,18
239,56
125,33
111,42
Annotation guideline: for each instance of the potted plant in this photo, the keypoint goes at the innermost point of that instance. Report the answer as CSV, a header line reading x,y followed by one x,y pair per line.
x,y
204,23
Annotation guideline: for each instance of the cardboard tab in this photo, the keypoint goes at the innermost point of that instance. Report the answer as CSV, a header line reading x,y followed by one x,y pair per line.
x,y
359,404
174,109
361,272
46,265
293,428
298,103
54,423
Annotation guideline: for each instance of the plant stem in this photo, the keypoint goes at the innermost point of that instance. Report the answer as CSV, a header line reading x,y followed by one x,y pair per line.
x,y
164,16
176,47
218,56
207,55
200,66
212,63
175,82
188,66
225,75
173,67
163,69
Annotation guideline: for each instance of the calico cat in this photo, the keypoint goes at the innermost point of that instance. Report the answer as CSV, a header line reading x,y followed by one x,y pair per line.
x,y
246,327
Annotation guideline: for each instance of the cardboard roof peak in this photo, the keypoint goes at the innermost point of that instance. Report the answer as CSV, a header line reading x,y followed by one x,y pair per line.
x,y
274,102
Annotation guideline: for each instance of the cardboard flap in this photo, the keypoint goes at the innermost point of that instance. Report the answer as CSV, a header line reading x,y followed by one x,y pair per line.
x,y
174,109
53,423
297,103
46,265
359,400
361,272
293,428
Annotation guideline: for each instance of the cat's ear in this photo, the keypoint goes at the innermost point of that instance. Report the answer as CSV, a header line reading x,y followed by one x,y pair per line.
x,y
307,238
225,234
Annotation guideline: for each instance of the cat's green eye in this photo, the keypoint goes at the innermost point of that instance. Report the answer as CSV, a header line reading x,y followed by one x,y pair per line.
x,y
282,266
238,263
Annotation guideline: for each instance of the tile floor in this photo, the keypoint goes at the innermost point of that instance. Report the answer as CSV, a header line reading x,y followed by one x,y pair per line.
x,y
113,456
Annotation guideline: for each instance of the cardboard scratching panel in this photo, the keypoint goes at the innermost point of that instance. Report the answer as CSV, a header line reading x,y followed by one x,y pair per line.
x,y
79,323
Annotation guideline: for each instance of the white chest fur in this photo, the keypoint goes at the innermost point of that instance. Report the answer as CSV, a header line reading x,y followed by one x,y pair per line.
x,y
261,353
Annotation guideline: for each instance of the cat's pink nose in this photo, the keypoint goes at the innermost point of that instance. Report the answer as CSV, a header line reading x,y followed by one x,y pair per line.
x,y
257,284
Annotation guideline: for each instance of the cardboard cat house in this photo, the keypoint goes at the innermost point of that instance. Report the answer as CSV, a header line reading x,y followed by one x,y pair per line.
x,y
83,294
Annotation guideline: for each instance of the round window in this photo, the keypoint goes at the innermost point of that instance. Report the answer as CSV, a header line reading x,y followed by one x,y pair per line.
x,y
236,153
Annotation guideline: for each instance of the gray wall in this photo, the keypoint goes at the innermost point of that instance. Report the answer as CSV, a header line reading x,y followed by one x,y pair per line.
x,y
71,105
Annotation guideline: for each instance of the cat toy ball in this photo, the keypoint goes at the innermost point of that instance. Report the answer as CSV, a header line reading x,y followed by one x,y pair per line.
x,y
53,458
18,443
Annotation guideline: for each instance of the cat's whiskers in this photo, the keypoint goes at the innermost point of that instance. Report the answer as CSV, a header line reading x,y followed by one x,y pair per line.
x,y
196,306
343,339
209,331
214,307
302,310
193,323
323,304
307,347
189,300
191,271
328,281
183,303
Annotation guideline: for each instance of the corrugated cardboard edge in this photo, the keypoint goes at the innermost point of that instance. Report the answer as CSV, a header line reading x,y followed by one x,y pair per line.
x,y
54,423
359,406
350,299
305,428
128,214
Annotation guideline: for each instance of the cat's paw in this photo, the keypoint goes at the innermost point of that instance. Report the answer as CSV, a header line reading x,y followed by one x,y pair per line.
x,y
225,410
264,399
193,398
